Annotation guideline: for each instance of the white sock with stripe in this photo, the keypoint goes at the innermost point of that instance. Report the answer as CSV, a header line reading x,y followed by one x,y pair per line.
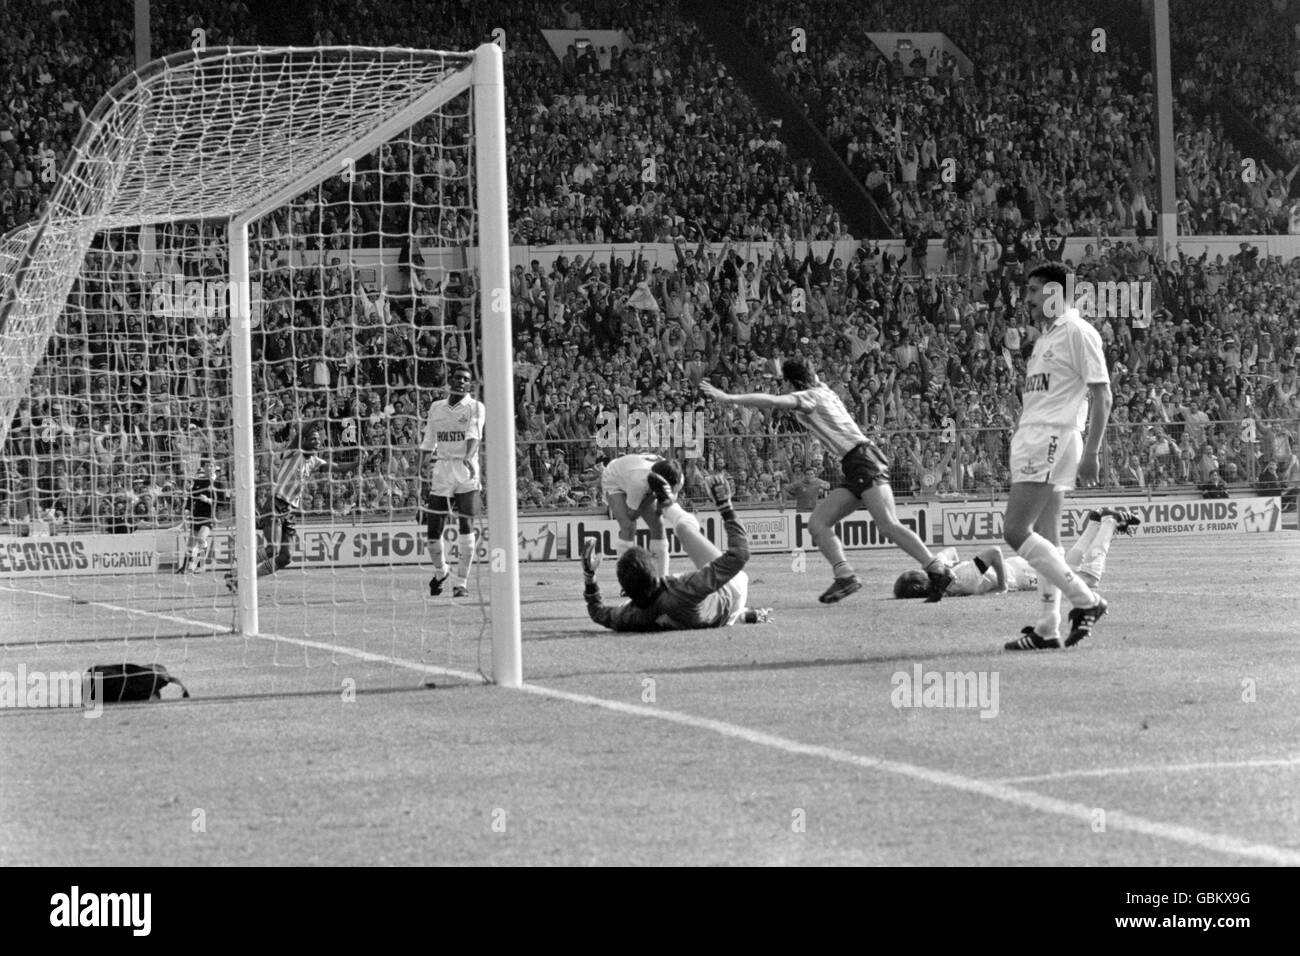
x,y
1045,558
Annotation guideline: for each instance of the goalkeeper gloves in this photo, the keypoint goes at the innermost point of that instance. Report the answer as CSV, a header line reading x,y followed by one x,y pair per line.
x,y
721,492
590,560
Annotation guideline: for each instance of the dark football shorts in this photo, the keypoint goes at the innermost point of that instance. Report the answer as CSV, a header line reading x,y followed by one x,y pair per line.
x,y
465,504
282,513
864,467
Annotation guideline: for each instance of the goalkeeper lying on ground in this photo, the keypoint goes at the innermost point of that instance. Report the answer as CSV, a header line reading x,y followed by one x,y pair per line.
x,y
712,596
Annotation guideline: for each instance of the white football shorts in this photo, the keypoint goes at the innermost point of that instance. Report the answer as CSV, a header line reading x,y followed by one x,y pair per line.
x,y
627,475
1045,453
452,477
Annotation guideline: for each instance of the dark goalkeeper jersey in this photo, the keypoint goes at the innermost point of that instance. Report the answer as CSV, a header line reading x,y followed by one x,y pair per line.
x,y
685,601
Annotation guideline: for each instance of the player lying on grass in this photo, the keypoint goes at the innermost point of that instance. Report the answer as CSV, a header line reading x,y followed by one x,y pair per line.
x,y
715,595
624,484
990,573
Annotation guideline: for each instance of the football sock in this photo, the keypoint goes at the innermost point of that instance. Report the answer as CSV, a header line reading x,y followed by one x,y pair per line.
x,y
1092,563
832,550
1049,609
1047,560
438,550
1075,555
468,542
659,551
265,567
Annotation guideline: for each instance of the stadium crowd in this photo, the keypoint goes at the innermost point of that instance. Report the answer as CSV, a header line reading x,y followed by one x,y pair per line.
x,y
130,401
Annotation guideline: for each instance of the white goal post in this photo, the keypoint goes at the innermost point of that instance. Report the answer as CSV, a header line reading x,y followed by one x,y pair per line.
x,y
230,134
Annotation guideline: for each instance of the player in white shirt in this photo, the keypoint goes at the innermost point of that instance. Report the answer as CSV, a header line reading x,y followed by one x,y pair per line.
x,y
1065,371
624,483
866,477
990,573
453,432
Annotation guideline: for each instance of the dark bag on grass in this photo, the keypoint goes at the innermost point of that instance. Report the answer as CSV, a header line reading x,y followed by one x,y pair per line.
x,y
123,682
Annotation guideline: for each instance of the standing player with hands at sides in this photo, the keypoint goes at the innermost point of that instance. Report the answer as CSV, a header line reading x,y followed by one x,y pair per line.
x,y
866,477
453,432
292,469
1067,367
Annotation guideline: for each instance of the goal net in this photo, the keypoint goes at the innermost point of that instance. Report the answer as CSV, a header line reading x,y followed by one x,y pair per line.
x,y
256,259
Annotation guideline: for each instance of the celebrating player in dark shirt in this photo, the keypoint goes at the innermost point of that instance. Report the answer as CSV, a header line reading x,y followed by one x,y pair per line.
x,y
207,491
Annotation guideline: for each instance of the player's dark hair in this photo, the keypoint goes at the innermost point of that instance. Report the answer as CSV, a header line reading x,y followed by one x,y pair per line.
x,y
797,373
912,584
669,471
304,431
1049,272
637,576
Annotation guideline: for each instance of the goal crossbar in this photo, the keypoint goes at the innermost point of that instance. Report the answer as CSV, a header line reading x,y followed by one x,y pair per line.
x,y
229,134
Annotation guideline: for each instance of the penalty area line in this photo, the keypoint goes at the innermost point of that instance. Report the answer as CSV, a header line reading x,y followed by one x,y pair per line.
x,y
990,789
1115,819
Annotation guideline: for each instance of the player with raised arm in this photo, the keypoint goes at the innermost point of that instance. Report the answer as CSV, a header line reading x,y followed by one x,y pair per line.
x,y
206,492
866,477
626,490
714,595
991,573
453,432
1066,369
292,469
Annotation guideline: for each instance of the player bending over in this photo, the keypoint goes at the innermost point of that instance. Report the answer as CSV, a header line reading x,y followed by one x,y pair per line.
x,y
990,573
712,596
629,497
293,468
207,491
866,477
453,432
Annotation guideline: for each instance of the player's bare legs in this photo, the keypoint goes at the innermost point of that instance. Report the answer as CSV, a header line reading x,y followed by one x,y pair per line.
x,y
879,501
1048,525
626,518
832,509
1031,506
436,522
196,550
276,554
467,542
658,539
